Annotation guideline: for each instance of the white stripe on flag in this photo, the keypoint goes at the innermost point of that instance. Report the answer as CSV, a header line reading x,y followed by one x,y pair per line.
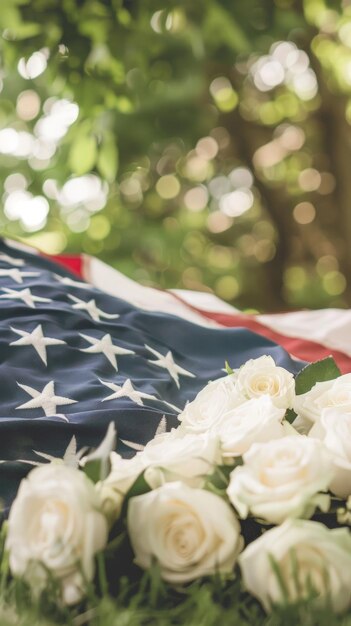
x,y
329,327
116,284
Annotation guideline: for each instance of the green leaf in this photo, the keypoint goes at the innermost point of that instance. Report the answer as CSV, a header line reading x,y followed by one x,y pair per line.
x,y
25,31
290,416
107,162
219,479
82,155
317,372
138,488
115,543
221,27
97,464
228,368
280,578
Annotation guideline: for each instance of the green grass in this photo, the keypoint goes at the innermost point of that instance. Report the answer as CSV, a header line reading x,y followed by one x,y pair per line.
x,y
144,599
152,603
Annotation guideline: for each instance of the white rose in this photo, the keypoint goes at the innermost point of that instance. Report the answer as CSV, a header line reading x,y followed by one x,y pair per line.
x,y
263,377
281,479
189,458
166,458
189,532
308,556
218,397
334,429
111,501
124,472
331,393
55,526
112,490
253,421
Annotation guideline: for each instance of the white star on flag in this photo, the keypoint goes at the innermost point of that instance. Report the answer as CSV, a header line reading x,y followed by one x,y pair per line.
x,y
161,429
106,347
91,308
65,280
45,399
5,258
71,456
167,362
17,275
25,295
126,391
36,339
131,444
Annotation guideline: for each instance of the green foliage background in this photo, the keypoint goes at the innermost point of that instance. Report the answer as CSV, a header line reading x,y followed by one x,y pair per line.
x,y
175,98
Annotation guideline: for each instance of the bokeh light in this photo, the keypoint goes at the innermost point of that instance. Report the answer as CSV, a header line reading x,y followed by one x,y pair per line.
x,y
199,148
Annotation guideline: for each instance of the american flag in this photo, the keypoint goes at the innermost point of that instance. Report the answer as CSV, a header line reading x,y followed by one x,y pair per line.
x,y
82,345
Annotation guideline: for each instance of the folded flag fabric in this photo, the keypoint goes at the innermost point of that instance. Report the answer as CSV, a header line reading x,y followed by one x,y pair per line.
x,y
82,345
308,335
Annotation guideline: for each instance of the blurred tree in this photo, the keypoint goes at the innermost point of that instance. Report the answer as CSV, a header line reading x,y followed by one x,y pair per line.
x,y
199,144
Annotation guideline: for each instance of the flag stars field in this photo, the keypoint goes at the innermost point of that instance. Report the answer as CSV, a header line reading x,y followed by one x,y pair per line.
x,y
69,282
160,430
5,258
36,339
46,399
126,391
167,362
25,295
91,308
106,347
16,275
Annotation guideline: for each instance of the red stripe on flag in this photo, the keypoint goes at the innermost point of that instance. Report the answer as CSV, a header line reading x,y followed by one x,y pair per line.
x,y
300,348
70,262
